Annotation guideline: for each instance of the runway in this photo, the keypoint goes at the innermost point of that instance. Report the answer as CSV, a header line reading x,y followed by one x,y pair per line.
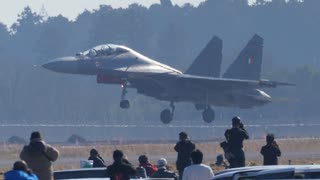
x,y
127,132
159,126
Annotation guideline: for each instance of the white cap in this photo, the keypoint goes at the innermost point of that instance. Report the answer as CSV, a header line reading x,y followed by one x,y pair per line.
x,y
162,162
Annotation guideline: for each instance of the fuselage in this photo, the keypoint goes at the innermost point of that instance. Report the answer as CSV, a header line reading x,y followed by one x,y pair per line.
x,y
113,64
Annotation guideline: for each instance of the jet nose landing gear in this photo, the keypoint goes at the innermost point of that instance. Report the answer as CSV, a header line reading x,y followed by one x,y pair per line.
x,y
208,115
124,103
166,115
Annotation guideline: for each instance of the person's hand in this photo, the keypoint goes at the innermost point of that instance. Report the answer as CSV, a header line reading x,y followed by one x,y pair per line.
x,y
241,125
274,143
29,171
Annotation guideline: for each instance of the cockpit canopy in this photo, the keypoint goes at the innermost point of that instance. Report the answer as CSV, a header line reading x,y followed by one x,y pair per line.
x,y
105,50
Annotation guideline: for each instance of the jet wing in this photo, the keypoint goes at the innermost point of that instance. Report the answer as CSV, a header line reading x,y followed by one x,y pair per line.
x,y
224,83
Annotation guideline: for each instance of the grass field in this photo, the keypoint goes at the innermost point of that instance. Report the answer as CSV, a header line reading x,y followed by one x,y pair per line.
x,y
299,151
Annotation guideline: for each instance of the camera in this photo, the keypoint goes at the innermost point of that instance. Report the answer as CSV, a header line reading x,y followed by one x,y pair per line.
x,y
241,125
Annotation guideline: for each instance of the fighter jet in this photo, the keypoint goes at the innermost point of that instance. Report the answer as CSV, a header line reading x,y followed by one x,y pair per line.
x,y
200,85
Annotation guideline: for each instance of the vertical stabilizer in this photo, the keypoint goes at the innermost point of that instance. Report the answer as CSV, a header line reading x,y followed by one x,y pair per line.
x,y
208,62
248,63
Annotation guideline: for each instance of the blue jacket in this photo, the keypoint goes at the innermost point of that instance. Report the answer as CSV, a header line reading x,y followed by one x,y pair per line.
x,y
19,175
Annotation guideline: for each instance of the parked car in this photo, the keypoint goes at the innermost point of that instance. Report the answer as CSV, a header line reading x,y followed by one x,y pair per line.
x,y
81,173
89,174
270,172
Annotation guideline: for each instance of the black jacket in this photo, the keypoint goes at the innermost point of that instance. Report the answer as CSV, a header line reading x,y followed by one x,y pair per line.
x,y
270,153
184,149
97,161
164,173
235,137
120,170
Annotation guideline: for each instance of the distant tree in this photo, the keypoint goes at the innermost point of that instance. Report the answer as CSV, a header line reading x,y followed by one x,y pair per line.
x,y
82,31
54,37
4,38
104,26
166,3
165,32
25,30
26,21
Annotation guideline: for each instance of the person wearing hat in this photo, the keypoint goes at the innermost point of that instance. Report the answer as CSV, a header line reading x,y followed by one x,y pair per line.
x,y
163,172
20,171
270,151
184,147
235,137
220,162
96,158
39,156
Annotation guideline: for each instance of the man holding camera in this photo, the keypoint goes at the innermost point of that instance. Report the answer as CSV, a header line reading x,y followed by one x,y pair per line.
x,y
184,148
235,137
270,151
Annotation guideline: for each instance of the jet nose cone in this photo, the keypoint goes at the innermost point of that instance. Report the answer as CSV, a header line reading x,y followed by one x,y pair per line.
x,y
51,65
64,65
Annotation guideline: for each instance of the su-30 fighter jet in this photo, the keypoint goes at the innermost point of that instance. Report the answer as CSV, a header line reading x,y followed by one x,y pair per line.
x,y
201,85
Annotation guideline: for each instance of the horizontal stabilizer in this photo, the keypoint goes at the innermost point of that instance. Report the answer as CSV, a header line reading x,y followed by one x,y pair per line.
x,y
267,83
248,63
208,62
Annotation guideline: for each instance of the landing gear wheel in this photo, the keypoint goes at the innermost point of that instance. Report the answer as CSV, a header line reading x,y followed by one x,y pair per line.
x,y
208,115
166,116
125,104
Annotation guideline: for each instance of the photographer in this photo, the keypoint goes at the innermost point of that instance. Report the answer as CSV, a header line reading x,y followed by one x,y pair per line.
x,y
39,156
184,148
270,151
235,137
20,171
96,158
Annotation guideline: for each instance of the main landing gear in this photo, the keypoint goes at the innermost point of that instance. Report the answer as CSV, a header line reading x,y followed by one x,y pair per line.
x,y
166,115
208,114
124,103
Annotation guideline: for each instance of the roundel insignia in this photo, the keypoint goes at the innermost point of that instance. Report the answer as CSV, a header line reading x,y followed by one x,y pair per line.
x,y
250,60
98,64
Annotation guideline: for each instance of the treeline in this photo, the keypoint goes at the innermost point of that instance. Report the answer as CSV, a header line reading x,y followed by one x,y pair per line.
x,y
171,34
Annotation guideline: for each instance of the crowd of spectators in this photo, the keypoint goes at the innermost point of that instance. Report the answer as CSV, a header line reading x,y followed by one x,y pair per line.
x,y
37,158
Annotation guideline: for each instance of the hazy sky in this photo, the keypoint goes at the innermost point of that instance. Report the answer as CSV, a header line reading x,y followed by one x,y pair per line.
x,y
9,9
